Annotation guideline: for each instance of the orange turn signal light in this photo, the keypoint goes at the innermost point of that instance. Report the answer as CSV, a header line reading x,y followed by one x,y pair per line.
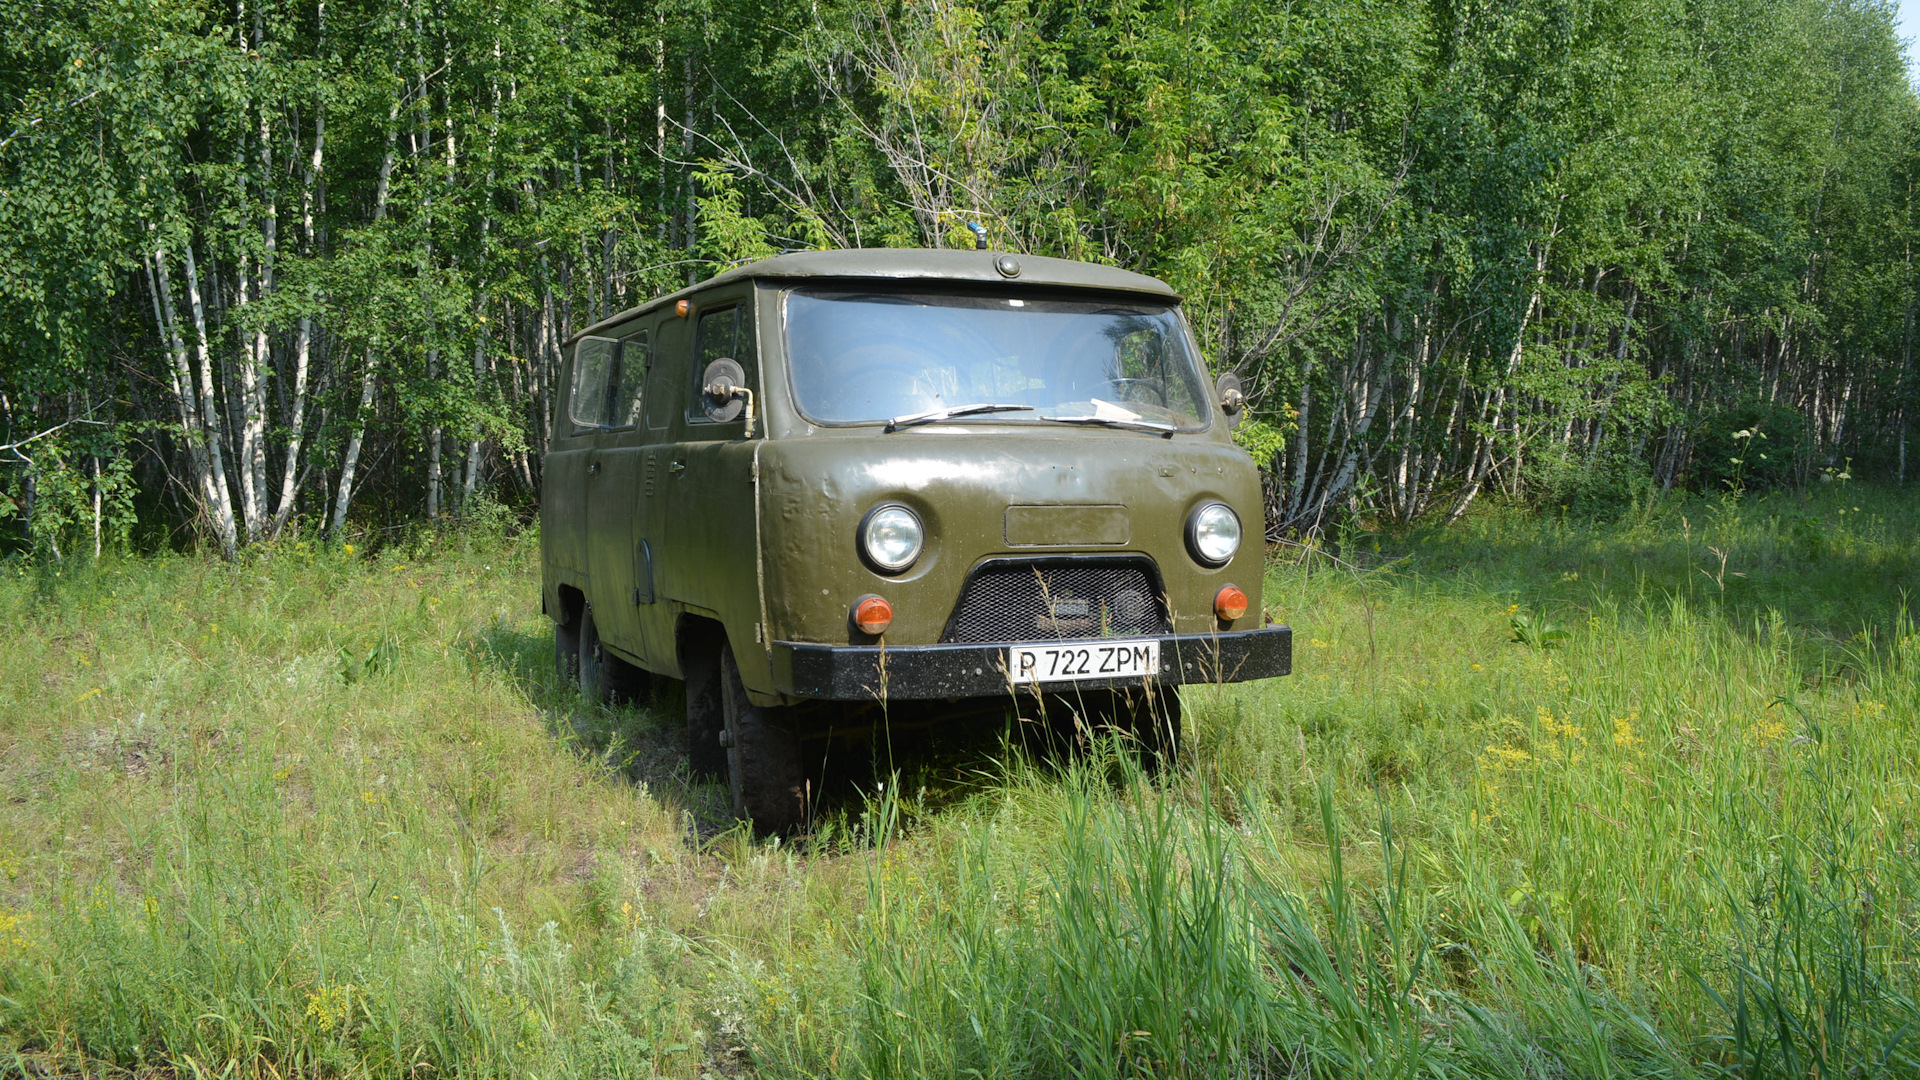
x,y
872,614
1229,603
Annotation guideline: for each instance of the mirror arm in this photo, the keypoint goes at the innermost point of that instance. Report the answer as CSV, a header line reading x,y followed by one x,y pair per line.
x,y
727,393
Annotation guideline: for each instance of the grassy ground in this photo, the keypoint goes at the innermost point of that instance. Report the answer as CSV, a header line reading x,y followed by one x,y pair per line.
x,y
1543,799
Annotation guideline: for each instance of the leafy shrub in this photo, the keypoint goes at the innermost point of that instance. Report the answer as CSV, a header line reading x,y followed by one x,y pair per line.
x,y
1600,488
1753,445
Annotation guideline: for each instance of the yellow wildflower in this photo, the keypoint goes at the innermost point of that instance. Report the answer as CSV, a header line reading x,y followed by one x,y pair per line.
x,y
11,939
1560,729
330,1006
1498,758
1623,735
1768,731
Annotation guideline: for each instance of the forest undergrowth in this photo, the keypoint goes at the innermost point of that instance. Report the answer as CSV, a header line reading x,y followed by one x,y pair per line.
x,y
1543,798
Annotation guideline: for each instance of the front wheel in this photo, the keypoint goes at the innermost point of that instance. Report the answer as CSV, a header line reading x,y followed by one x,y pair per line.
x,y
764,766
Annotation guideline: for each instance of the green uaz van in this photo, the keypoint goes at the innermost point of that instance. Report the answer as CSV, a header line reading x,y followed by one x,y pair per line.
x,y
830,481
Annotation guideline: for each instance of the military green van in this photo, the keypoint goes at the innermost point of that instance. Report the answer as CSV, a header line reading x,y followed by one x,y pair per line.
x,y
831,481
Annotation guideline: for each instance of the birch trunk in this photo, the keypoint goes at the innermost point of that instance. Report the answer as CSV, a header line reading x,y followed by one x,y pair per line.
x,y
435,435
303,338
193,388
1483,457
246,399
260,356
350,457
470,481
1906,363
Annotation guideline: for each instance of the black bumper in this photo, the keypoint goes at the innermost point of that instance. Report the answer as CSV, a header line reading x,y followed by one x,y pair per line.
x,y
867,672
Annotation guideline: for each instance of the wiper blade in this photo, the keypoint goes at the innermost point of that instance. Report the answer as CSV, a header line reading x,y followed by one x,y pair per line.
x,y
933,415
1166,430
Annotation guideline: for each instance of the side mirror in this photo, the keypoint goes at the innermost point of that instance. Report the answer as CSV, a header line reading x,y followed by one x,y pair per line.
x,y
1232,395
723,390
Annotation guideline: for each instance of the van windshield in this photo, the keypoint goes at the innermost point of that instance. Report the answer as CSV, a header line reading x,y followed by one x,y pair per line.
x,y
858,356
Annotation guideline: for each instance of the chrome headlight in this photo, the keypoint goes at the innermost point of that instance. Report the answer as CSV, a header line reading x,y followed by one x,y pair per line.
x,y
1213,534
891,537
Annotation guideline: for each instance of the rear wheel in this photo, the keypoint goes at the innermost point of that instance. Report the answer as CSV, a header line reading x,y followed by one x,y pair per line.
x,y
764,766
605,679
566,650
706,715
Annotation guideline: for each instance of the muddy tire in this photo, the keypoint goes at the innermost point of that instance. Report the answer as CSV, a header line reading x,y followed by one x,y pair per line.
x,y
764,766
566,651
706,716
605,679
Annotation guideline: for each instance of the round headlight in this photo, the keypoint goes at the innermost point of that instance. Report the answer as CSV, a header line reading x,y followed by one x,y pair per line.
x,y
891,537
1213,534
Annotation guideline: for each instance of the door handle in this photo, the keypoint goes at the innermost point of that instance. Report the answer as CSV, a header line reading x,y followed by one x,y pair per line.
x,y
677,467
593,468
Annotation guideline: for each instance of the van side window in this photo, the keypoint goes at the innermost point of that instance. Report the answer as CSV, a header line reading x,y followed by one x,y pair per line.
x,y
721,335
631,376
593,369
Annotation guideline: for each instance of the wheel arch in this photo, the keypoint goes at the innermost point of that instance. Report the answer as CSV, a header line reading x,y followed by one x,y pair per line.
x,y
572,603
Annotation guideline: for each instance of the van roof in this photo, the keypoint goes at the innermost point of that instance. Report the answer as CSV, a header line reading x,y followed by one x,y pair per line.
x,y
917,264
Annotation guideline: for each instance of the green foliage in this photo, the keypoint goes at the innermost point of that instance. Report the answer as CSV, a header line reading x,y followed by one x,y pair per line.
x,y
725,230
1751,445
1262,441
1549,249
1595,486
73,496
1537,634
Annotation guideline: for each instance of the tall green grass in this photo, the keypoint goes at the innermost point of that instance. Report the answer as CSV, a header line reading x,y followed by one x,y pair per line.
x,y
1543,798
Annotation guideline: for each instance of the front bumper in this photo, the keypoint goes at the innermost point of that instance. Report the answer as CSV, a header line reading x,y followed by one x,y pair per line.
x,y
915,672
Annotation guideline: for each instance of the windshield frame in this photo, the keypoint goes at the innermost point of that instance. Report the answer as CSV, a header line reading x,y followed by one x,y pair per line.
x,y
1206,407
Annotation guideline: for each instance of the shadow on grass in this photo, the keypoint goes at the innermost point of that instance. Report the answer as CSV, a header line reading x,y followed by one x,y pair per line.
x,y
934,753
642,743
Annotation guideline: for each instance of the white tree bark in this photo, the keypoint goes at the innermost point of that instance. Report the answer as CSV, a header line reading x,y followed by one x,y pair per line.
x,y
193,385
350,457
253,436
303,338
246,399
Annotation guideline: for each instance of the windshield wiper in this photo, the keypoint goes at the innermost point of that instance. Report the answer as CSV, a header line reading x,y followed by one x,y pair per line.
x,y
1164,430
932,415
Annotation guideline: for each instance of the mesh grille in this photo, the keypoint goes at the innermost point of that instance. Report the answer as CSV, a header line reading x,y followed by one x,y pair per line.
x,y
1041,602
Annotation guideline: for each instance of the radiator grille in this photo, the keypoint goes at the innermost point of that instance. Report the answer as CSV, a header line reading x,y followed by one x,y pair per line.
x,y
1038,601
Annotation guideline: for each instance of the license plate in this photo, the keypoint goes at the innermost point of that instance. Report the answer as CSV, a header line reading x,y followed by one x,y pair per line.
x,y
1077,661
